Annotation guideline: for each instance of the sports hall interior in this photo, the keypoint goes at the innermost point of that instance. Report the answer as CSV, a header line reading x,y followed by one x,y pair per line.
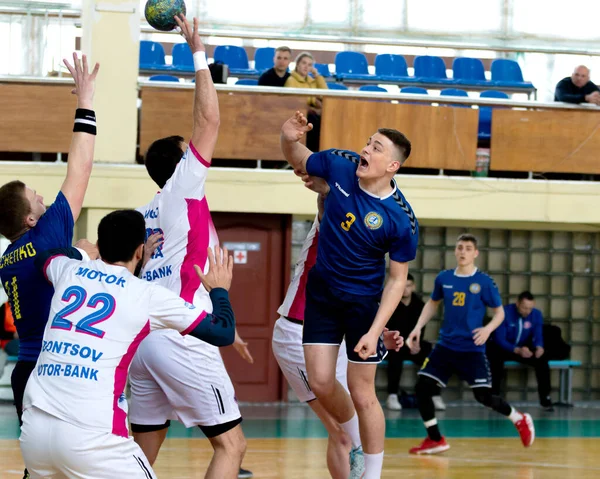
x,y
518,169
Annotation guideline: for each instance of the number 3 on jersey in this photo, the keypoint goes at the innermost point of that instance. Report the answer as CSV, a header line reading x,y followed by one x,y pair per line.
x,y
85,325
346,224
459,299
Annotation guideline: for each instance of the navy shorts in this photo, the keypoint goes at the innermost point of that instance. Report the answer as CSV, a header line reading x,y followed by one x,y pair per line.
x,y
332,315
470,366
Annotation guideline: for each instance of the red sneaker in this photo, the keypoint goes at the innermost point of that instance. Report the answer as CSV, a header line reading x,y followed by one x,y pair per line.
x,y
429,446
526,430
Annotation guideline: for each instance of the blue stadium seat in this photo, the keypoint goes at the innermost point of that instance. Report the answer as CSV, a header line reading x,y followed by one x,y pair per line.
x,y
430,69
485,114
152,56
323,69
247,81
170,78
508,73
352,66
235,58
469,71
263,58
415,90
392,68
336,86
182,58
372,88
455,92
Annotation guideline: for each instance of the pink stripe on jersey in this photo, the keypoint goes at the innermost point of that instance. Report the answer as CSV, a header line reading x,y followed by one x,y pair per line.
x,y
196,322
297,307
197,245
198,156
47,265
119,415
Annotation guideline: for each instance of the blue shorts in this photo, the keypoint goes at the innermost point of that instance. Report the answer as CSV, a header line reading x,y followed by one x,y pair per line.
x,y
332,315
471,366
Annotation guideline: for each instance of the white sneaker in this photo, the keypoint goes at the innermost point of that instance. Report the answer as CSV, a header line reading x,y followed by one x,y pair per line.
x,y
439,403
392,403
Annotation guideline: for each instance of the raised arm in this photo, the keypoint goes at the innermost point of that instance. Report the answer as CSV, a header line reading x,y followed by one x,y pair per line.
x,y
206,104
81,152
293,151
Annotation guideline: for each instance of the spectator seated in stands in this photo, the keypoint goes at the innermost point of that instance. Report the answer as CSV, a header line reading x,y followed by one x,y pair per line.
x,y
404,320
278,75
577,88
301,78
520,338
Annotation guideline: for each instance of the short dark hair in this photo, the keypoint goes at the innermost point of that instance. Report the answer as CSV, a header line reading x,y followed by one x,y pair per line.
x,y
284,49
162,158
120,233
398,139
467,238
14,209
410,277
526,295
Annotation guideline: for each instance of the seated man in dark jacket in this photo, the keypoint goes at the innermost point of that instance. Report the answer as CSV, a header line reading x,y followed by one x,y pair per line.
x,y
519,338
277,75
577,88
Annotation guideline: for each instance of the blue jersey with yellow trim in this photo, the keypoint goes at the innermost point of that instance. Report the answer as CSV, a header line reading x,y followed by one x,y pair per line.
x,y
358,228
465,301
28,291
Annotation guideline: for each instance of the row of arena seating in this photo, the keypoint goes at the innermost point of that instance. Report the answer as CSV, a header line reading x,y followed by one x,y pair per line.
x,y
485,112
349,66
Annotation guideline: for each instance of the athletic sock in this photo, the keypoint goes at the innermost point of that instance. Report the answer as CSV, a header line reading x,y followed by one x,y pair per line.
x,y
351,428
433,431
373,466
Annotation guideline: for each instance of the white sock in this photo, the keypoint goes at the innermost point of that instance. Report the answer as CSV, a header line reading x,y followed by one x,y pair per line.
x,y
515,416
351,428
373,466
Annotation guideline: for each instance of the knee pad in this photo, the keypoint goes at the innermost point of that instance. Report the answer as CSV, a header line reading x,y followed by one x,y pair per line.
x,y
483,396
426,386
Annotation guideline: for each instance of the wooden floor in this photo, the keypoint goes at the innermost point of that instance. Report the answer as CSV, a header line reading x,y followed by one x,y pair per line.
x,y
564,458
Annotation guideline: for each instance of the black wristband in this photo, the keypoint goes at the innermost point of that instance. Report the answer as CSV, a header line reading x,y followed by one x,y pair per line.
x,y
85,121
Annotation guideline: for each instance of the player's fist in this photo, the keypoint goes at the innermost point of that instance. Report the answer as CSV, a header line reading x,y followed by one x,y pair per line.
x,y
392,340
220,270
414,341
367,346
295,128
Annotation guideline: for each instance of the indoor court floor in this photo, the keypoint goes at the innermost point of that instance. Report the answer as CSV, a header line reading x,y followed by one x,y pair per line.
x,y
288,442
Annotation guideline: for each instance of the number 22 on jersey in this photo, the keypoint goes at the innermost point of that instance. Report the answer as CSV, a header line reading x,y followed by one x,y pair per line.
x,y
459,299
346,224
85,325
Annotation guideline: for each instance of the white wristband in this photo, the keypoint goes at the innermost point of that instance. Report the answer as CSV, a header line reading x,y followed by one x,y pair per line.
x,y
200,61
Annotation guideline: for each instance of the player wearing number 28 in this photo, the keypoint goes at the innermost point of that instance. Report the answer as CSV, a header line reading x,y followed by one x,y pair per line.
x,y
366,217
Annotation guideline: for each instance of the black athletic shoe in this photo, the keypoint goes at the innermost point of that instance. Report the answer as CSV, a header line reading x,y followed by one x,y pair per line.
x,y
26,474
244,474
547,405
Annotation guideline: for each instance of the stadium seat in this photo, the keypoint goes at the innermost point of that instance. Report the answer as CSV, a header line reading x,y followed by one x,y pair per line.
x,y
152,56
454,92
323,69
485,113
430,69
182,58
392,68
247,81
235,58
508,73
263,58
336,86
372,88
170,78
415,90
469,71
352,66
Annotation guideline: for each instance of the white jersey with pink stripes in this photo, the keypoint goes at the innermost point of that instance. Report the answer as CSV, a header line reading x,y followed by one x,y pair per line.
x,y
180,213
295,298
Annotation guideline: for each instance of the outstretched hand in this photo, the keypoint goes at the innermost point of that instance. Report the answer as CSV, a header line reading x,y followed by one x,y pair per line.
x,y
296,127
191,35
84,80
220,270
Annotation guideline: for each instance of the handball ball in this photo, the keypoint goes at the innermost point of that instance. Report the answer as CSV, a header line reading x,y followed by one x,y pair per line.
x,y
160,13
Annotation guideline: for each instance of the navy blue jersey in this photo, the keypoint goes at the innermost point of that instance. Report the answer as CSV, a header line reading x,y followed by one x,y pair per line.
x,y
465,301
516,331
28,291
359,228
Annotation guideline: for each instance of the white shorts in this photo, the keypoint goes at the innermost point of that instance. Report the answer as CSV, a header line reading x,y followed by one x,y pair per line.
x,y
182,378
53,448
289,352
